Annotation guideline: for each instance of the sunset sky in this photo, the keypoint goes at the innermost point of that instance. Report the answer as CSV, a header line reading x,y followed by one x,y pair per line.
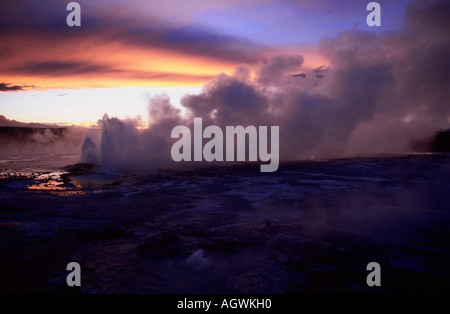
x,y
127,51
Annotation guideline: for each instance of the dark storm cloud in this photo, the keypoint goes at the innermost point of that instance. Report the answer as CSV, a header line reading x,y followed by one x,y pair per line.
x,y
22,22
55,69
62,68
194,40
6,87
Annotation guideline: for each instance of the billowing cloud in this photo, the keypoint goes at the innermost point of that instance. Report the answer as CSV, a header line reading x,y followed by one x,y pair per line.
x,y
275,70
381,93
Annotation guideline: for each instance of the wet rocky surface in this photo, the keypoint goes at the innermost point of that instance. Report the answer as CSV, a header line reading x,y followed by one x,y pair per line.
x,y
310,227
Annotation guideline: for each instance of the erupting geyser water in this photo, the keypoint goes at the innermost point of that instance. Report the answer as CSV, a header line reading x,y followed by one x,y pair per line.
x,y
366,101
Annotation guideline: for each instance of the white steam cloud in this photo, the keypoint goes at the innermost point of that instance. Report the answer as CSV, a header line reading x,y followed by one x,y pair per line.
x,y
381,93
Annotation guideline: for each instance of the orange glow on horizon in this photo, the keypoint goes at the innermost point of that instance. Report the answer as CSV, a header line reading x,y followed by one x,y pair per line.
x,y
99,64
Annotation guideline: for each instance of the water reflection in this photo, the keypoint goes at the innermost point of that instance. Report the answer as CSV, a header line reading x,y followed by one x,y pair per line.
x,y
53,183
